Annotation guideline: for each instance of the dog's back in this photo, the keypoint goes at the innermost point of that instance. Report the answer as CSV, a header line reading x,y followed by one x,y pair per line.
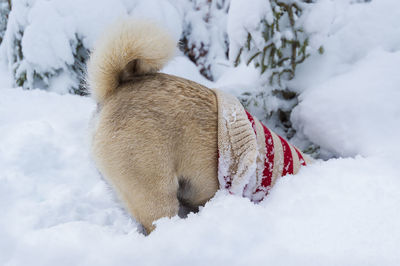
x,y
156,135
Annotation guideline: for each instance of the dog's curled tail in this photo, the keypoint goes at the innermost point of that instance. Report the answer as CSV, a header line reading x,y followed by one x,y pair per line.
x,y
129,48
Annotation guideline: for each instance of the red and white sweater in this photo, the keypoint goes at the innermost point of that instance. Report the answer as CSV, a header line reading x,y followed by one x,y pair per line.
x,y
251,157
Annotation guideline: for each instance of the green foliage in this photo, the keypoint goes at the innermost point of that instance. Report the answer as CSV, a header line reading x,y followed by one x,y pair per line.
x,y
81,55
286,44
277,47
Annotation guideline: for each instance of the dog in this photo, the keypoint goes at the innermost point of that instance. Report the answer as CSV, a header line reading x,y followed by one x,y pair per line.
x,y
156,135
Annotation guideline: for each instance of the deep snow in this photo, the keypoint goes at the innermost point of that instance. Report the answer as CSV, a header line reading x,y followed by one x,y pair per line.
x,y
57,210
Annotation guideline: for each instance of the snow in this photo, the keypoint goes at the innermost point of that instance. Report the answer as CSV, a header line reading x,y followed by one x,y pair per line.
x,y
57,210
181,66
205,27
163,12
51,32
350,95
239,79
59,51
356,112
47,178
244,18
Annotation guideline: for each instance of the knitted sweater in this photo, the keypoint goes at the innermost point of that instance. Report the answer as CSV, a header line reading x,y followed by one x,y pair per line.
x,y
251,157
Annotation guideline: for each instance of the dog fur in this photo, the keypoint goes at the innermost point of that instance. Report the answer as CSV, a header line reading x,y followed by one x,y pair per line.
x,y
155,138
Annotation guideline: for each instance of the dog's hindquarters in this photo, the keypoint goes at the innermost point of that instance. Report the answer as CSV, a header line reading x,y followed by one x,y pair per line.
x,y
155,134
154,131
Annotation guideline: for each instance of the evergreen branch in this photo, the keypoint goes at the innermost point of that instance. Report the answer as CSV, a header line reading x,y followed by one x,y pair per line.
x,y
237,60
252,57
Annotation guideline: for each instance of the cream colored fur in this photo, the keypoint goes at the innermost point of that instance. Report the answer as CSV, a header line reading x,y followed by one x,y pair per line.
x,y
155,139
128,41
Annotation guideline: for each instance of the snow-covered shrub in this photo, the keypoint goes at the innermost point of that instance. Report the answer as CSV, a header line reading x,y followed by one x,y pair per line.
x,y
47,42
204,38
284,43
5,6
270,36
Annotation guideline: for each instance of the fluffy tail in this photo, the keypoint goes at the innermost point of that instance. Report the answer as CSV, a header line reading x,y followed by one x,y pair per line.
x,y
127,49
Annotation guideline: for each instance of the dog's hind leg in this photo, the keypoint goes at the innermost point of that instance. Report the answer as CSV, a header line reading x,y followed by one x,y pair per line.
x,y
184,196
149,201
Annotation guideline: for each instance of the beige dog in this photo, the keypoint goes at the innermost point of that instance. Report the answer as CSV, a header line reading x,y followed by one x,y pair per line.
x,y
158,137
155,138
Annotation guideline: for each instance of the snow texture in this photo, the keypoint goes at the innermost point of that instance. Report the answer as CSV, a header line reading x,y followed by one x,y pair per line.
x,y
205,38
57,210
52,33
244,18
350,100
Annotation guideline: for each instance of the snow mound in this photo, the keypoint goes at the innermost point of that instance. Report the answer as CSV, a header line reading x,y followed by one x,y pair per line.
x,y
355,112
58,210
349,96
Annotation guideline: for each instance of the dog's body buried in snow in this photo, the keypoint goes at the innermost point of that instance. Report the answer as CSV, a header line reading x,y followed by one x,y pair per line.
x,y
166,143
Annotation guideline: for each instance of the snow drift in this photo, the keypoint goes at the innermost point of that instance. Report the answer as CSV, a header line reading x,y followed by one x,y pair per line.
x,y
57,210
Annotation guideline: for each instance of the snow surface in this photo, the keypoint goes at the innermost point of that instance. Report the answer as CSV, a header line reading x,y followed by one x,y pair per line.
x,y
244,18
350,96
57,210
